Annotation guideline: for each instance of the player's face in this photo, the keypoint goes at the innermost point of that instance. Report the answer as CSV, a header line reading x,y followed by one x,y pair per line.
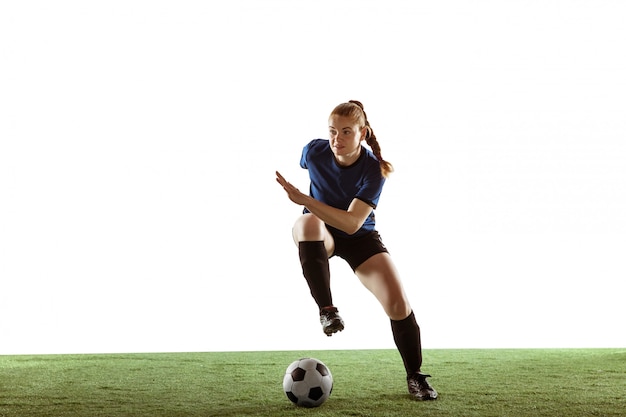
x,y
345,138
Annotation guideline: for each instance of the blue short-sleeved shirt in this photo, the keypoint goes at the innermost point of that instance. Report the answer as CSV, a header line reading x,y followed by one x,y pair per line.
x,y
337,185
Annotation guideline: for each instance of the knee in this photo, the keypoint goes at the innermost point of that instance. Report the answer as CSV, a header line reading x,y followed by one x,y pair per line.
x,y
398,310
308,227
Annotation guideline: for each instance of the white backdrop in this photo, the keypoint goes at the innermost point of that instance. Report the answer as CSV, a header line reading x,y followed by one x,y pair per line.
x,y
139,141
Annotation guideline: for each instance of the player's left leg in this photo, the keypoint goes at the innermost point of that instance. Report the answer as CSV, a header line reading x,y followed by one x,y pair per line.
x,y
379,275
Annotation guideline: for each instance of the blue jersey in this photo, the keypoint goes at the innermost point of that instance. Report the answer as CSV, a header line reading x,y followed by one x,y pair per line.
x,y
337,185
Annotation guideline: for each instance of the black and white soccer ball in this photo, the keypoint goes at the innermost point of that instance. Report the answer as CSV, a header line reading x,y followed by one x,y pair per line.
x,y
308,382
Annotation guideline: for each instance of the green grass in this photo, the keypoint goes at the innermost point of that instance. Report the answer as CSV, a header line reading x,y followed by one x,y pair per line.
x,y
516,382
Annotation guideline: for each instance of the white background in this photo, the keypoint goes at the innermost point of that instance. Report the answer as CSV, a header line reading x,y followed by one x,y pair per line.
x,y
139,141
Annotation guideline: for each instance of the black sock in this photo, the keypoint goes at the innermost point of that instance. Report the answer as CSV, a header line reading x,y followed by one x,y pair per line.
x,y
406,334
316,270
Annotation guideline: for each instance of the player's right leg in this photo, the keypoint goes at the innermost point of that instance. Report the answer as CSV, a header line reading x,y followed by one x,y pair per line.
x,y
315,246
309,228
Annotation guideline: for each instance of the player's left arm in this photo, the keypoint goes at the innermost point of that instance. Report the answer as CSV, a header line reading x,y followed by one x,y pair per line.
x,y
348,221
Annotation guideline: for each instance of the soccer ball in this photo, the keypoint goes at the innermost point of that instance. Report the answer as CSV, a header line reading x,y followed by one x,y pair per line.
x,y
308,382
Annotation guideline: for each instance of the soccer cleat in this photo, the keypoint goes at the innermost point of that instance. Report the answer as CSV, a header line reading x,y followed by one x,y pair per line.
x,y
419,388
331,322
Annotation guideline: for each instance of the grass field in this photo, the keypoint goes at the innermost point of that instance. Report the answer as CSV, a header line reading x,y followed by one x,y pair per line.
x,y
518,382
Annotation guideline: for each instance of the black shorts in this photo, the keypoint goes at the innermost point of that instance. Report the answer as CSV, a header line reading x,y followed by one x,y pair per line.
x,y
356,250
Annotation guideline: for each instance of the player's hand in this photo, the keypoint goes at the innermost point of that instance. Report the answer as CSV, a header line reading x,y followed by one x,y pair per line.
x,y
292,192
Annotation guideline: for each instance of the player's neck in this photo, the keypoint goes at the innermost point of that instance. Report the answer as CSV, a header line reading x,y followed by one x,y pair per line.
x,y
349,159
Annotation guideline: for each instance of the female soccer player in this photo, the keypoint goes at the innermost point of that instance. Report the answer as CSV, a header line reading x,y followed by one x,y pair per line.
x,y
338,219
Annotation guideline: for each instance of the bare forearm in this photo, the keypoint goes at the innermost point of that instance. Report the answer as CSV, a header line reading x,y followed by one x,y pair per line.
x,y
343,220
348,221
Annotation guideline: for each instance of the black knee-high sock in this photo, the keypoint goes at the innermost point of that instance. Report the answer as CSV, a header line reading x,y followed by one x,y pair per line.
x,y
315,268
406,334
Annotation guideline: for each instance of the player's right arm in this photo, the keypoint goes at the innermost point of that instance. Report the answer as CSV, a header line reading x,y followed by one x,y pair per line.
x,y
348,221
